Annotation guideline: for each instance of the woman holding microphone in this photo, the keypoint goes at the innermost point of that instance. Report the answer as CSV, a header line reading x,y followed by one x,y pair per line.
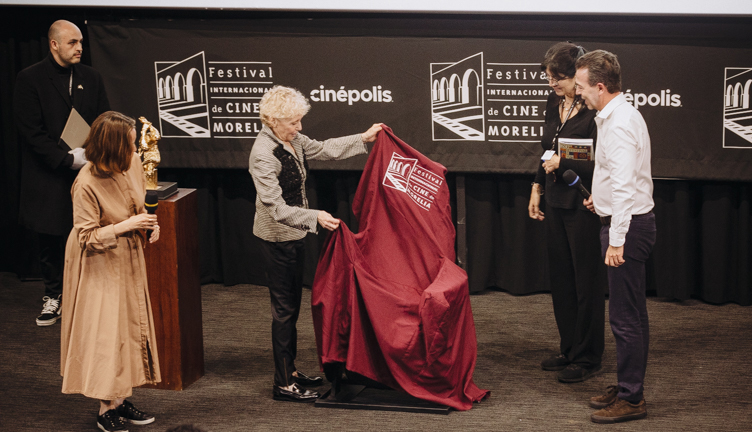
x,y
577,275
108,344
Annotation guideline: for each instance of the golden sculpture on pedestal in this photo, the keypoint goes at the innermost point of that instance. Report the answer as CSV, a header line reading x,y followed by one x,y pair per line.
x,y
148,151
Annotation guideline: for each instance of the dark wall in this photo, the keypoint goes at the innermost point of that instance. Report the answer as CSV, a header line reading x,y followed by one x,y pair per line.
x,y
704,227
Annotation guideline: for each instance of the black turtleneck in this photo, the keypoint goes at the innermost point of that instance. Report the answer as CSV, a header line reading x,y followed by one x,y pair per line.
x,y
64,75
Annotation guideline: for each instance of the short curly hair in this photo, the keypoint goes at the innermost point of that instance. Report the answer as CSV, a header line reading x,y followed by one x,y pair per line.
x,y
282,103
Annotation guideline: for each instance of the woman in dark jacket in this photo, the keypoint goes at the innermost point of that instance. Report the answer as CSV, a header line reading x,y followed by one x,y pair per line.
x,y
575,265
279,166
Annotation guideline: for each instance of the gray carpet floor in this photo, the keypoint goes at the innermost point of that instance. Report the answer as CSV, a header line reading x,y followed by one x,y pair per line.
x,y
698,379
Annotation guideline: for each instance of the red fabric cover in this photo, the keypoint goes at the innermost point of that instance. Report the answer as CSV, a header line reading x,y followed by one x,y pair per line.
x,y
389,301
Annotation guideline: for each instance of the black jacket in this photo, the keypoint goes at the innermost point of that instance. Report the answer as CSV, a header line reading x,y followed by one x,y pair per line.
x,y
582,125
41,105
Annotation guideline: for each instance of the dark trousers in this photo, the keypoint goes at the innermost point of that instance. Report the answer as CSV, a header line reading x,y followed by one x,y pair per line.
x,y
627,308
284,270
52,260
578,282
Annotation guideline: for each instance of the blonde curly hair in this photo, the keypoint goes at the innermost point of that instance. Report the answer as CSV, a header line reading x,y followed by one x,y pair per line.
x,y
282,103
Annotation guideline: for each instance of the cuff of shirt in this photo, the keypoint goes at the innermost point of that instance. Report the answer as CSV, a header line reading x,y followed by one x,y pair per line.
x,y
615,239
108,238
364,144
311,223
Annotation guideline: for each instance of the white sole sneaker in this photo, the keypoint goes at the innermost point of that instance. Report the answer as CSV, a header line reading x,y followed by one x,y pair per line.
x,y
140,422
49,322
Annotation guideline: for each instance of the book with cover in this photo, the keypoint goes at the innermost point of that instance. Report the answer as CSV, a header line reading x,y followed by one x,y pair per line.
x,y
576,148
76,130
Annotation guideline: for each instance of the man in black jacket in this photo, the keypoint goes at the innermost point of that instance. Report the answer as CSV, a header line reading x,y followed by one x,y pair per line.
x,y
43,98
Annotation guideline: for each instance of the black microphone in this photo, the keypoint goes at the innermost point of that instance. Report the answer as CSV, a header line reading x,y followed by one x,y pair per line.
x,y
573,180
151,202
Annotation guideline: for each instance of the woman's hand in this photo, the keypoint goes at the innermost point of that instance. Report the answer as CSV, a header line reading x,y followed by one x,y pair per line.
x,y
154,234
589,204
551,164
533,209
370,134
328,221
144,221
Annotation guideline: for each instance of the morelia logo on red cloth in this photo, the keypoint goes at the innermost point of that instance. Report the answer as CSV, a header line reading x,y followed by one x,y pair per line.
x,y
405,175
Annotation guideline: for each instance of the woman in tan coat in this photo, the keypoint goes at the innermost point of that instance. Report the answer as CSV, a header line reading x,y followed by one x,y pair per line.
x,y
107,337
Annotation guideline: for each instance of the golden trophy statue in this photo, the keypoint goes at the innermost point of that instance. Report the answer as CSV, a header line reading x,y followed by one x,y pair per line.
x,y
148,151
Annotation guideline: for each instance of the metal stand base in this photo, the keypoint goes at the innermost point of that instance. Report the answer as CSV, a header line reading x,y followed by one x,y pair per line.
x,y
351,396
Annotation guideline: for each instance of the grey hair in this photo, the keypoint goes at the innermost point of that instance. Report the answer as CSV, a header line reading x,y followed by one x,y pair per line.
x,y
282,103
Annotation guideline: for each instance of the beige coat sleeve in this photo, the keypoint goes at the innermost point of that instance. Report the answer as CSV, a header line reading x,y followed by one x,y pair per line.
x,y
86,218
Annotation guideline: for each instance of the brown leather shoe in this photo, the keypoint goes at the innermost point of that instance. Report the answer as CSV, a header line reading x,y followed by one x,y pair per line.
x,y
620,411
604,400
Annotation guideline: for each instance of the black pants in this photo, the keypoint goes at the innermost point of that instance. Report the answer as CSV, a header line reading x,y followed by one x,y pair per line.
x,y
52,260
627,308
578,283
284,269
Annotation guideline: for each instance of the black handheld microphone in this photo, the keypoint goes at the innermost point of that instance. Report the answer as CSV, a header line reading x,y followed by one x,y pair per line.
x,y
151,202
573,180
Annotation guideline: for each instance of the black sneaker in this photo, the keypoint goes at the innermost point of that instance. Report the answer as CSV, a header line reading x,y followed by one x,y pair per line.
x,y
576,373
50,311
111,422
555,363
133,415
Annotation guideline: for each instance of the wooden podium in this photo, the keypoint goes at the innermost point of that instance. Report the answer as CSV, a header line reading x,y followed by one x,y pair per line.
x,y
175,290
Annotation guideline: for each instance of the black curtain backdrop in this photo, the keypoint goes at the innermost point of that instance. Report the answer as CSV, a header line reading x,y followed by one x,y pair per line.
x,y
704,239
703,247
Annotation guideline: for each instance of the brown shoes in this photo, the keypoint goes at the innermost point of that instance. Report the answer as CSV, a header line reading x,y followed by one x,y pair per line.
x,y
620,411
604,400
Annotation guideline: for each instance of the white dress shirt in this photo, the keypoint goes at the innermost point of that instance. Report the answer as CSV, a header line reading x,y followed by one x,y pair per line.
x,y
622,181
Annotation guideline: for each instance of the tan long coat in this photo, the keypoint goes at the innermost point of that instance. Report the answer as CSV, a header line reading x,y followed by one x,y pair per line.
x,y
107,337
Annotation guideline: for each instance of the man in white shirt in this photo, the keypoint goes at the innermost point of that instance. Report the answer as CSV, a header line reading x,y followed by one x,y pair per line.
x,y
623,198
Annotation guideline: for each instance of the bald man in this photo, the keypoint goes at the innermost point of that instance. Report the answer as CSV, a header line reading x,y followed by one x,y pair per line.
x,y
43,98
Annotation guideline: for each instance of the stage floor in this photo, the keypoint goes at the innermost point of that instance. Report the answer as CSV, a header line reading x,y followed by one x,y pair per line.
x,y
698,379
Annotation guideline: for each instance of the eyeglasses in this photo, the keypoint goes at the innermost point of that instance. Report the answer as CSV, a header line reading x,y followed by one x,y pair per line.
x,y
555,81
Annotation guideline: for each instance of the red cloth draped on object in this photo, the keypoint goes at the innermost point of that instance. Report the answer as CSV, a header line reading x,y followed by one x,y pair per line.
x,y
389,301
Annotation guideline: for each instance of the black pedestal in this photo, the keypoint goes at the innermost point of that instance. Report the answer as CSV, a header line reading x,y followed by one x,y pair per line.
x,y
353,396
166,189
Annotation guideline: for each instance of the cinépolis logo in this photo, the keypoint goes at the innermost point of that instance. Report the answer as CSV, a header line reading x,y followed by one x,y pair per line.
x,y
664,99
350,96
211,99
